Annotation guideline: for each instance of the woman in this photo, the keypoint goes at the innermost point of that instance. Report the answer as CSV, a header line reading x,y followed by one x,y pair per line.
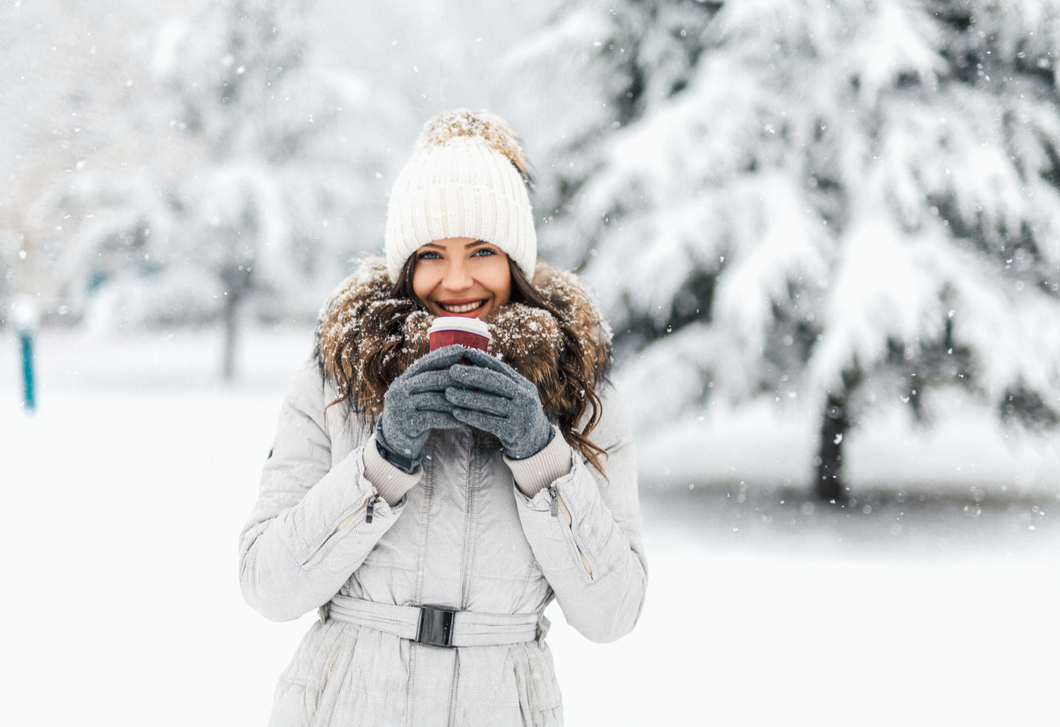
x,y
431,511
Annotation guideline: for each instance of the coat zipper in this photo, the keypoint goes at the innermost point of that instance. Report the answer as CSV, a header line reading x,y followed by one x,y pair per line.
x,y
334,658
555,506
368,506
469,528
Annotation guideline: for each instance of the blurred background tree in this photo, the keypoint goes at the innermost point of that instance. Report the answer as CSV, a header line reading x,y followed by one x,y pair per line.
x,y
271,212
270,200
849,202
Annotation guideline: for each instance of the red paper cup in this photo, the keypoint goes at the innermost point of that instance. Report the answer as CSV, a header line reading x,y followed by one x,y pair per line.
x,y
449,330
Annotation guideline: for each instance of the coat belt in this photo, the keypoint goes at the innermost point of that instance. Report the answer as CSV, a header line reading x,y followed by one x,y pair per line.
x,y
464,628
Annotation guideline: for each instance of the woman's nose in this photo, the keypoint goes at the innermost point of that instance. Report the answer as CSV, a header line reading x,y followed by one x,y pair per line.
x,y
457,277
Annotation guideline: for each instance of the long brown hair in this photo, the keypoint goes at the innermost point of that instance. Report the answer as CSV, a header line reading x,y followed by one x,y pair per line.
x,y
378,346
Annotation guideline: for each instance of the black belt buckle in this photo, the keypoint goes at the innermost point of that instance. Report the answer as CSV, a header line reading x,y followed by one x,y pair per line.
x,y
436,626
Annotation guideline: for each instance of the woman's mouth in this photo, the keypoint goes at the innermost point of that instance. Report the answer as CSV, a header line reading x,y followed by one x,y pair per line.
x,y
461,308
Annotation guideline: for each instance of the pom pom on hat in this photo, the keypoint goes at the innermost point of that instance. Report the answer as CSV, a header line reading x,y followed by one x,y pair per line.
x,y
467,177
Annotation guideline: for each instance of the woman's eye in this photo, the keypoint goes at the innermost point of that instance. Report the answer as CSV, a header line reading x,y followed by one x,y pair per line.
x,y
428,255
483,252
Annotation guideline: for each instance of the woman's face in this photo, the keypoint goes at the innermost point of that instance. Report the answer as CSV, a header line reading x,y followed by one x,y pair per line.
x,y
461,276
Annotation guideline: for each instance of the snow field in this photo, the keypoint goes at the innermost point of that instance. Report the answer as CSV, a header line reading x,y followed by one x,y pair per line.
x,y
122,515
122,506
773,639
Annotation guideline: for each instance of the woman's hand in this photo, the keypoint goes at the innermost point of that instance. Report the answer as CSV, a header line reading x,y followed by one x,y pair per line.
x,y
415,404
494,397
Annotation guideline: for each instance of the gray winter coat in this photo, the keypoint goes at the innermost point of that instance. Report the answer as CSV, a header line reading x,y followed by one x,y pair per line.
x,y
464,538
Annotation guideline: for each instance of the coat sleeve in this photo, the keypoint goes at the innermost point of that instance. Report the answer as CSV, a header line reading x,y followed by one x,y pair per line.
x,y
585,532
309,530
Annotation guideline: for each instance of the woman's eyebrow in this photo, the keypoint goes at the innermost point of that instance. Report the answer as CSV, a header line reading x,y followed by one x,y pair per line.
x,y
476,243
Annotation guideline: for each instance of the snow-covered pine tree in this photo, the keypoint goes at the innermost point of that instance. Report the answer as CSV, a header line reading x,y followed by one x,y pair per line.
x,y
852,202
65,96
277,188
600,67
271,213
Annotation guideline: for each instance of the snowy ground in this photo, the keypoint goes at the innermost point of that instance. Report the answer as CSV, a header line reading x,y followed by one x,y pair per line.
x,y
123,497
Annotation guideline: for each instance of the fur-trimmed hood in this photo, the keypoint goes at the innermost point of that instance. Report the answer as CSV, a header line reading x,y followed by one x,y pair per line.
x,y
351,334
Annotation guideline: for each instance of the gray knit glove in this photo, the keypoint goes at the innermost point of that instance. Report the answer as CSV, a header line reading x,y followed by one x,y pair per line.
x,y
494,397
415,404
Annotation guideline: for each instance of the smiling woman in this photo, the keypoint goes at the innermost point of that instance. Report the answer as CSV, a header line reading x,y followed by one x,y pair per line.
x,y
461,277
431,511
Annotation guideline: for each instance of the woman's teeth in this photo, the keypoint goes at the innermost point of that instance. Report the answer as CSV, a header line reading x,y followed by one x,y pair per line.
x,y
465,308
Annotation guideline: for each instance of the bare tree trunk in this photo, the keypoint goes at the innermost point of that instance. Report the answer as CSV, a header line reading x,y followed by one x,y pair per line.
x,y
237,282
828,483
231,332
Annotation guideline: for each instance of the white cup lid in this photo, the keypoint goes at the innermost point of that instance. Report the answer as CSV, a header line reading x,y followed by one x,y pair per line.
x,y
459,323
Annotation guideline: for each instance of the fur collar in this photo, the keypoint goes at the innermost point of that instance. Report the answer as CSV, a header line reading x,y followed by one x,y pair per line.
x,y
529,339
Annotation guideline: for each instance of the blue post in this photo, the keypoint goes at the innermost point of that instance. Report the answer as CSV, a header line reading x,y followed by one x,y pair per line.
x,y
29,401
26,318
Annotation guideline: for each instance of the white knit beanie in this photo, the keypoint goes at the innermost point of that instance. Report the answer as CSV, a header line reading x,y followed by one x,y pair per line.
x,y
466,177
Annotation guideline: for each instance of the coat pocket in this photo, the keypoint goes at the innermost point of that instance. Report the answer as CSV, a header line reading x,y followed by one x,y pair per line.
x,y
539,695
308,686
333,679
368,684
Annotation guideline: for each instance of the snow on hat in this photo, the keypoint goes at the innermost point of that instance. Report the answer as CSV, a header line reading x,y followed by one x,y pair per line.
x,y
467,177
